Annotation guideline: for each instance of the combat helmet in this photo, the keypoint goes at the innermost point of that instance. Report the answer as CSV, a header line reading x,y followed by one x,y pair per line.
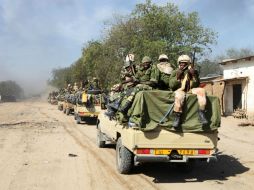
x,y
184,58
163,57
146,59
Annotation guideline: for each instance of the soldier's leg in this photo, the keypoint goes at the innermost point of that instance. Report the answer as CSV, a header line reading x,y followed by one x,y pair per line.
x,y
179,100
129,100
201,96
113,105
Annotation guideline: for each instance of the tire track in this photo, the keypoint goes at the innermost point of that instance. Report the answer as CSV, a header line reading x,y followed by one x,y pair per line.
x,y
89,144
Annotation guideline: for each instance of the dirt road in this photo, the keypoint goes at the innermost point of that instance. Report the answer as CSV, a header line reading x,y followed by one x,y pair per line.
x,y
41,148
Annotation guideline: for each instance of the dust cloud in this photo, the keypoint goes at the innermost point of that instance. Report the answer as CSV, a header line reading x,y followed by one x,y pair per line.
x,y
33,81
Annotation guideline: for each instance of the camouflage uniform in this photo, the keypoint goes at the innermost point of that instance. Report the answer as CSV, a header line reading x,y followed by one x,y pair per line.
x,y
132,84
186,81
141,82
161,73
118,91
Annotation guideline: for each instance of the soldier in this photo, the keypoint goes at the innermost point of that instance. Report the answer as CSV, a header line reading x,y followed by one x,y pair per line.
x,y
141,81
144,72
186,79
93,84
75,87
123,89
69,88
162,72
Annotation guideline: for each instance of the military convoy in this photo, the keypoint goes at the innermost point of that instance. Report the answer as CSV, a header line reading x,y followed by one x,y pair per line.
x,y
139,118
148,135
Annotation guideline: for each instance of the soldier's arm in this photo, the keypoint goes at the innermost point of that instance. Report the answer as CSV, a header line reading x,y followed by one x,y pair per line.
x,y
155,74
195,79
174,84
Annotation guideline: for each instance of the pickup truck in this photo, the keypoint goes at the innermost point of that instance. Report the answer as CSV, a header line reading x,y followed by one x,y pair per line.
x,y
146,138
87,106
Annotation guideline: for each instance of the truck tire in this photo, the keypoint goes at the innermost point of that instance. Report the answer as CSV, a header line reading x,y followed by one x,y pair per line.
x,y
78,120
99,140
124,158
67,111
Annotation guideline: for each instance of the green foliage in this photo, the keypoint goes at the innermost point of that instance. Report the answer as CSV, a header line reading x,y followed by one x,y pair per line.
x,y
233,53
11,88
213,66
149,30
209,67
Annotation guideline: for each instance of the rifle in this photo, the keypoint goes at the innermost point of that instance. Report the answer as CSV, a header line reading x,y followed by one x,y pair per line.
x,y
131,64
186,83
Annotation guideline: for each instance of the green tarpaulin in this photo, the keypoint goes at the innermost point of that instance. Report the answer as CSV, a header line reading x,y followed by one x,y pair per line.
x,y
149,107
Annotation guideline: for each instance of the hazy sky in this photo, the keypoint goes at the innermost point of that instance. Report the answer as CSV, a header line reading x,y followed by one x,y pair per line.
x,y
39,35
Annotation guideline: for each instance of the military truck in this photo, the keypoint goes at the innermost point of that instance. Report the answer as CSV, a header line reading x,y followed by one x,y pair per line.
x,y
60,100
69,103
87,106
148,135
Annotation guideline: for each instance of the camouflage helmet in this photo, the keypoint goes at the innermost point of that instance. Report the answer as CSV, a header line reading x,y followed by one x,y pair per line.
x,y
163,56
146,59
184,58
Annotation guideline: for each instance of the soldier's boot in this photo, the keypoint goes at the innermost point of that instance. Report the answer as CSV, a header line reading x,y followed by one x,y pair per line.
x,y
124,109
202,118
112,108
110,112
177,120
115,105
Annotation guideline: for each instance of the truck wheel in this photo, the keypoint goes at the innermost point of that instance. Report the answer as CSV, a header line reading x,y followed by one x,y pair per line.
x,y
124,158
100,142
67,111
78,120
94,120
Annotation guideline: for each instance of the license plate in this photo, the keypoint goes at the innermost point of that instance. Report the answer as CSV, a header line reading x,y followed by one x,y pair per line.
x,y
186,152
162,151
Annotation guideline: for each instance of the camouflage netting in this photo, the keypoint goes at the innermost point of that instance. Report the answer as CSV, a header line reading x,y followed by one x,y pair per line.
x,y
149,107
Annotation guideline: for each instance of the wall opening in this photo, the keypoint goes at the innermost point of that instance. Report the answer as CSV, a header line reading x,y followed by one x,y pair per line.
x,y
237,96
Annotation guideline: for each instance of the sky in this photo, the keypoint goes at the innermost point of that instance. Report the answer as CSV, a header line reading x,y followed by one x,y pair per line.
x,y
39,35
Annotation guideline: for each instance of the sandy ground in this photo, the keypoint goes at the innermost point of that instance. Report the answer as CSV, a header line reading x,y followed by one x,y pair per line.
x,y
41,148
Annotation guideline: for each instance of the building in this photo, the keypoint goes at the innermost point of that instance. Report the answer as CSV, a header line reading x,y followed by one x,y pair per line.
x,y
238,75
235,88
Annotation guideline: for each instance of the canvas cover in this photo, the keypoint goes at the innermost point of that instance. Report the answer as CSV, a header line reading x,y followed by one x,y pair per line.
x,y
149,107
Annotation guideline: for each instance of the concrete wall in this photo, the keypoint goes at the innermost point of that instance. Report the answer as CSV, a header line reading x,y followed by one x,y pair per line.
x,y
228,95
238,69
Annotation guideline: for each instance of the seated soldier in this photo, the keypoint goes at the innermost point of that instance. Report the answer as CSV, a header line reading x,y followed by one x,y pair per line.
x,y
161,73
185,79
141,81
127,74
